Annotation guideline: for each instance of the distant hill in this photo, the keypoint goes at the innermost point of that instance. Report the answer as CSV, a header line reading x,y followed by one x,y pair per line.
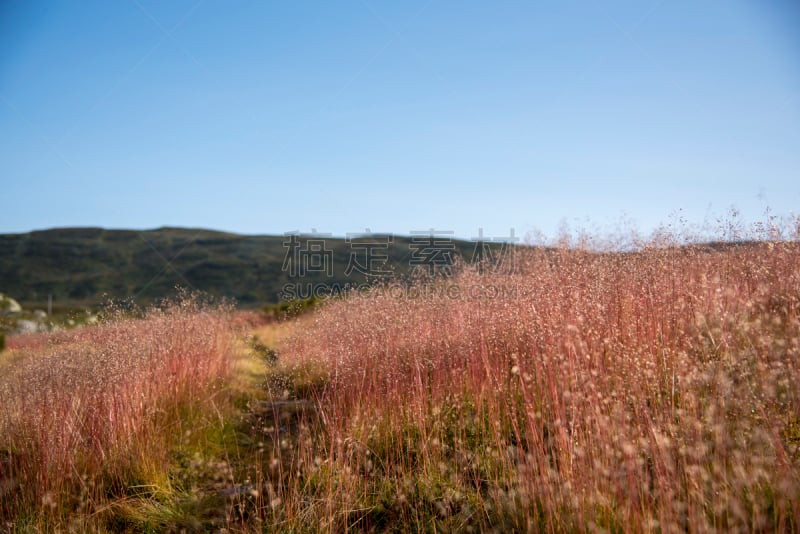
x,y
83,266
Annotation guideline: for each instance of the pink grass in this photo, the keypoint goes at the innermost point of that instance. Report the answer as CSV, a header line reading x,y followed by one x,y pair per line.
x,y
93,402
651,390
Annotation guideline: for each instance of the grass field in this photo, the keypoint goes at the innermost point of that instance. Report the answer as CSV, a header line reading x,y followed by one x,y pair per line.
x,y
656,390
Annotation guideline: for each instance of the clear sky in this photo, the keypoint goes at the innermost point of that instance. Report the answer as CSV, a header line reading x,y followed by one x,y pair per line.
x,y
268,117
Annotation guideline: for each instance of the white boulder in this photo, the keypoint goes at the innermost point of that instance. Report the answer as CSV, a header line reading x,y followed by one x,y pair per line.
x,y
27,327
9,306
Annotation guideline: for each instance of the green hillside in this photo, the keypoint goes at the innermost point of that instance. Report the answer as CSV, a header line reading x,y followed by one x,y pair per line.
x,y
84,266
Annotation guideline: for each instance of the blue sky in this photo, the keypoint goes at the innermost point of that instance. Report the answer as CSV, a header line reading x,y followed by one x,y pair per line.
x,y
269,117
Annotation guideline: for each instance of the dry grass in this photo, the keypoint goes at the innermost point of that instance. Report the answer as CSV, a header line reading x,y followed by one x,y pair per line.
x,y
650,391
654,390
89,416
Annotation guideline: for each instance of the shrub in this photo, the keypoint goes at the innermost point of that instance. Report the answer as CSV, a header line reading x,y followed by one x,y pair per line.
x,y
289,309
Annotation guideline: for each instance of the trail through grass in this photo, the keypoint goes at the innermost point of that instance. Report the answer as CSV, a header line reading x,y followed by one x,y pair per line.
x,y
649,391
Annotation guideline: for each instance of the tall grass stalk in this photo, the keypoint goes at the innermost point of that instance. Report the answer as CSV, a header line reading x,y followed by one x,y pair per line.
x,y
650,390
89,414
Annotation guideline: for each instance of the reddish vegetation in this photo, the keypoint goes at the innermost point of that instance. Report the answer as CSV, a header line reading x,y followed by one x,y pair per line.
x,y
638,391
647,391
96,402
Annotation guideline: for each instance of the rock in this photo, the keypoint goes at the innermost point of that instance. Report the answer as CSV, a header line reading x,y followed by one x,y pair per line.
x,y
9,306
40,315
27,327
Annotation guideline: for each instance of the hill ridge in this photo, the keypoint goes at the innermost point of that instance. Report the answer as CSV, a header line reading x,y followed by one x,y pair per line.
x,y
83,266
